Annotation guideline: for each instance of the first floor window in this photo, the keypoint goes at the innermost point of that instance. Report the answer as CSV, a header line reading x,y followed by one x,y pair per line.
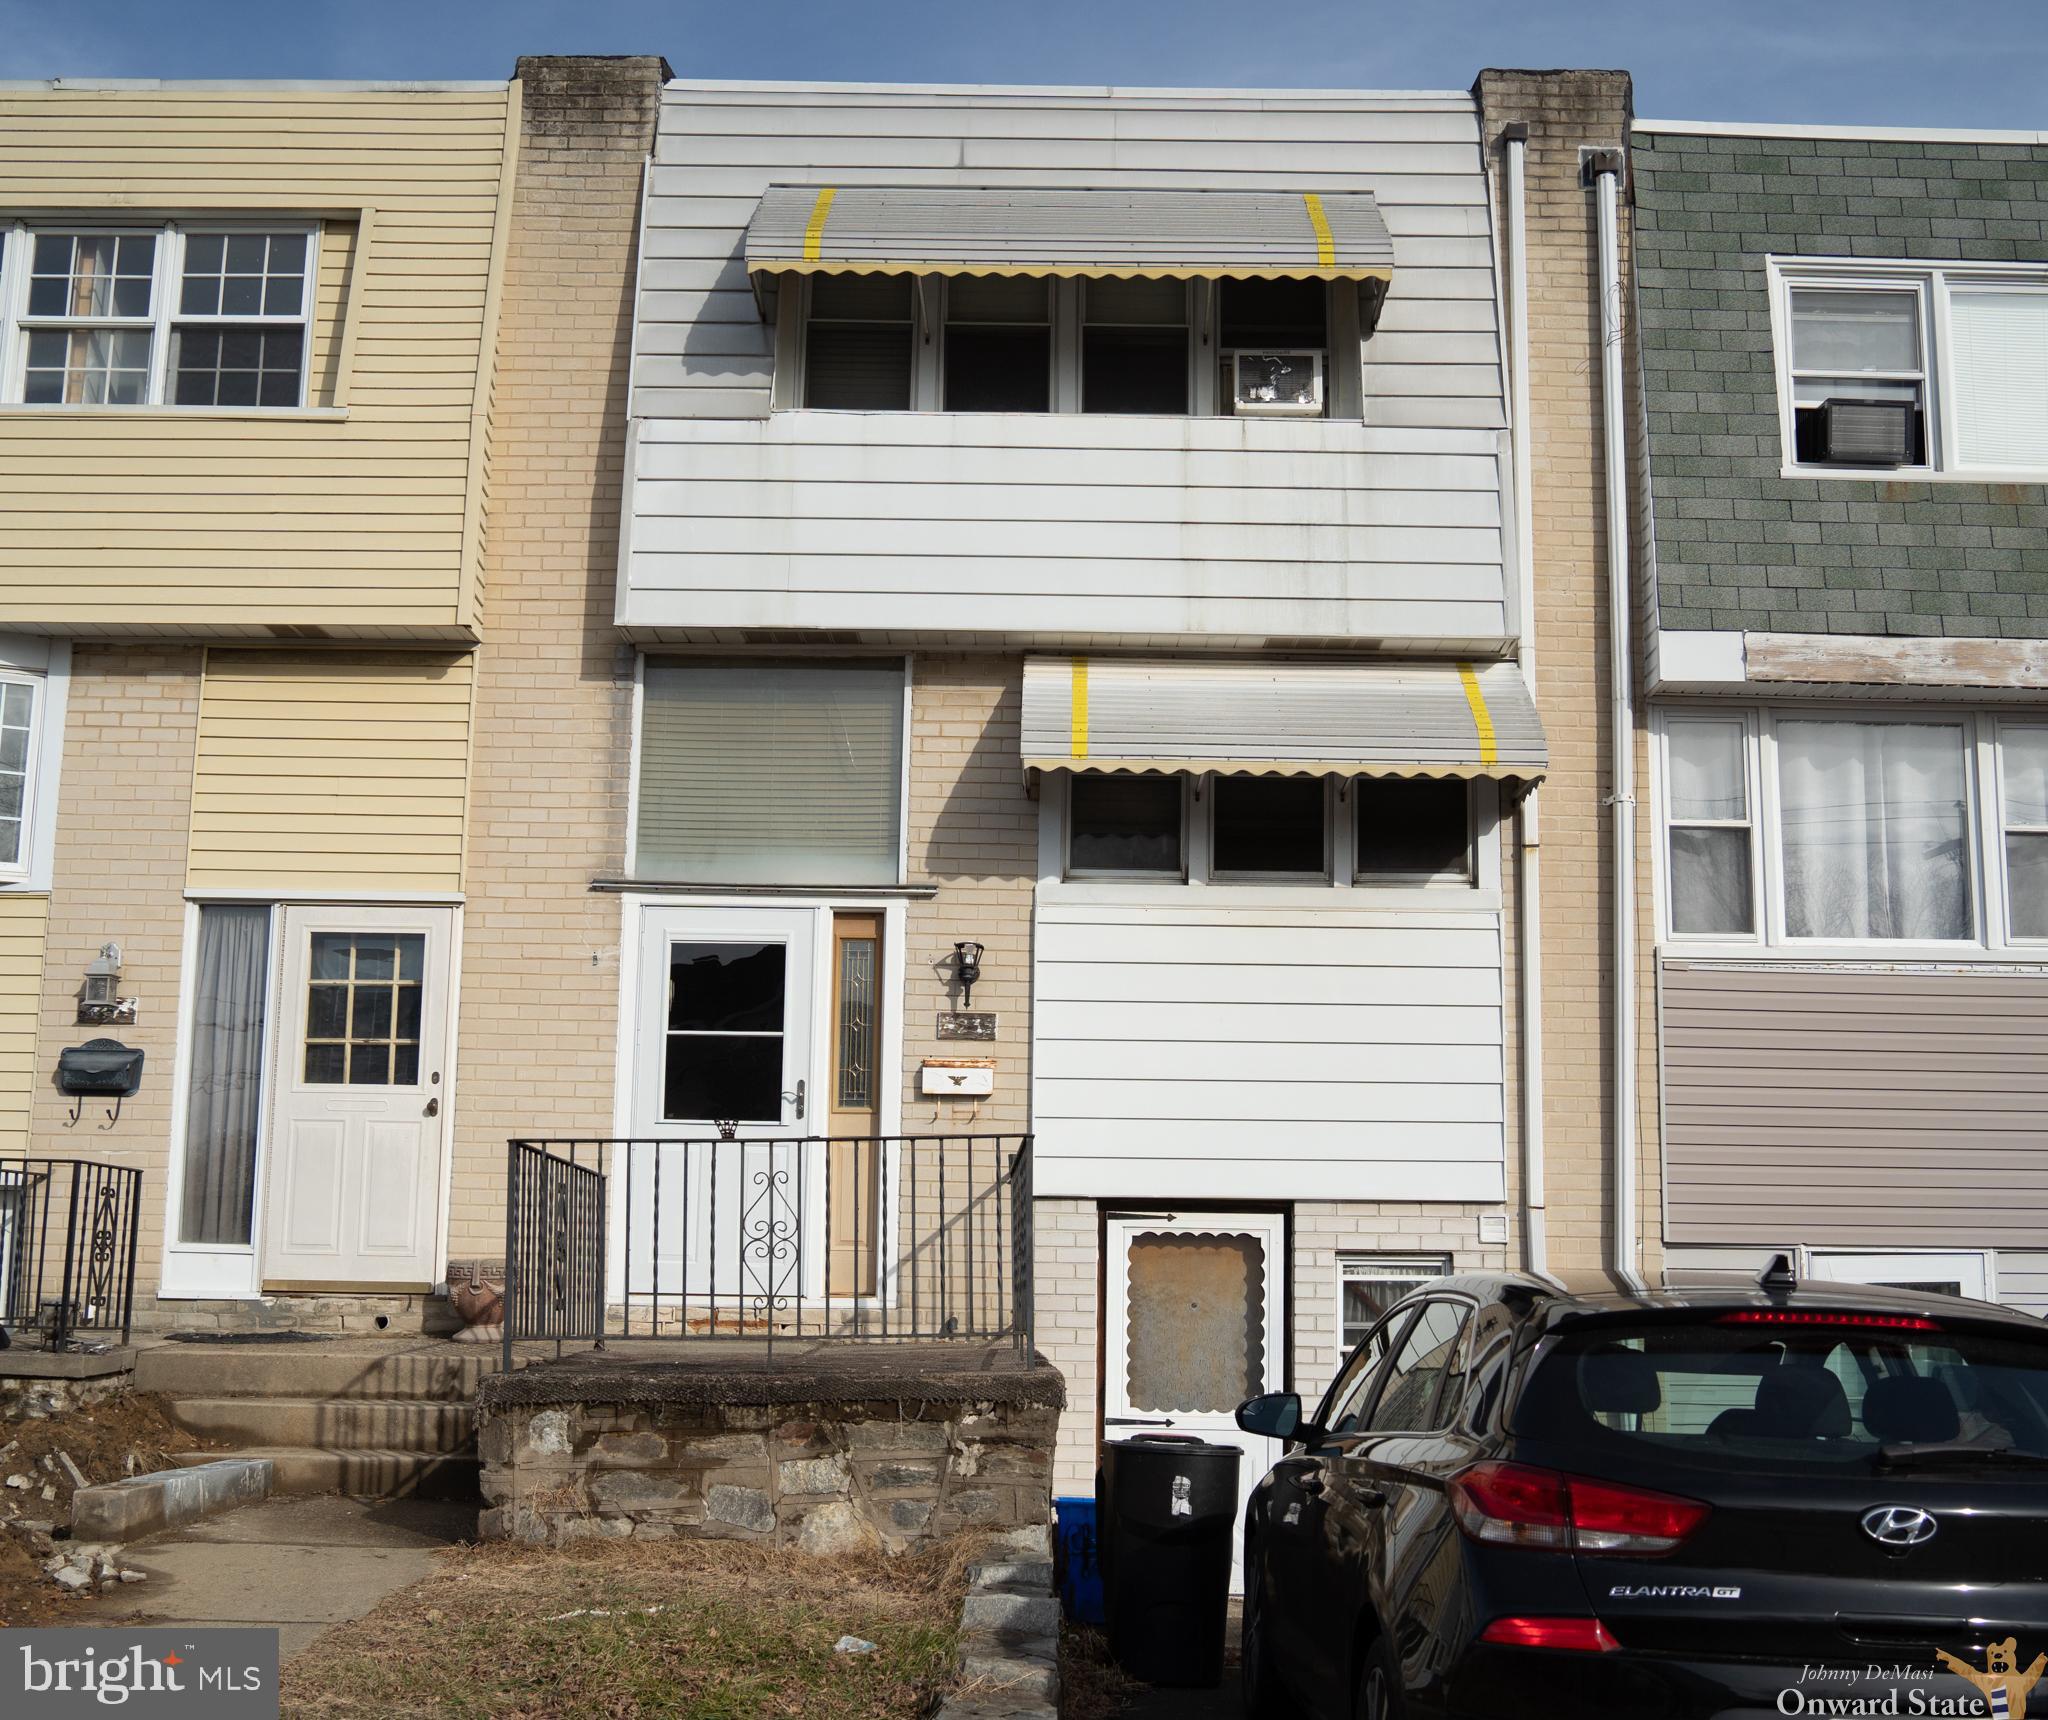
x,y
1875,830
17,757
1369,1284
2025,758
1707,802
1268,827
1123,823
771,772
1412,828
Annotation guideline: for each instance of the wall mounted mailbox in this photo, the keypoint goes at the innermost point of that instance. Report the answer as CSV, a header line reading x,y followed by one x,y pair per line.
x,y
957,1077
99,1069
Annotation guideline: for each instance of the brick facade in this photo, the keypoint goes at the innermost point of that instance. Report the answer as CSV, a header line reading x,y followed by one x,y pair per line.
x,y
1567,112
129,735
553,735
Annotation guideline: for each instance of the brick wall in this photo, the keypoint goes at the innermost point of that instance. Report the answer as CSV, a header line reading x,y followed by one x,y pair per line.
x,y
1739,546
974,834
129,735
540,967
1565,111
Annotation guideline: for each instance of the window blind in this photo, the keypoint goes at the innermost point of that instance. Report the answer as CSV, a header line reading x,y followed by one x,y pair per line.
x,y
2000,346
771,773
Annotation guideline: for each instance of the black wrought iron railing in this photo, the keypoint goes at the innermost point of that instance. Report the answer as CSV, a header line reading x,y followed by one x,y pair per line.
x,y
886,1238
69,1229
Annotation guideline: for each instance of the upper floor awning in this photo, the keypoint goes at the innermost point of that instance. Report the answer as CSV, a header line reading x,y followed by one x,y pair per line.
x,y
1287,719
1054,230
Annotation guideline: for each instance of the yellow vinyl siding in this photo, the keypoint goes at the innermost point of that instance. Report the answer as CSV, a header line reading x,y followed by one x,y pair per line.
x,y
330,771
347,524
22,920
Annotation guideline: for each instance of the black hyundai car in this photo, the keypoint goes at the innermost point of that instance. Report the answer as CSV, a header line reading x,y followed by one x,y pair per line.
x,y
1525,1496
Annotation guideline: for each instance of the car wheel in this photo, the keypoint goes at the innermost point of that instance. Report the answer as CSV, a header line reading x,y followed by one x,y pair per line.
x,y
1256,1684
1379,1686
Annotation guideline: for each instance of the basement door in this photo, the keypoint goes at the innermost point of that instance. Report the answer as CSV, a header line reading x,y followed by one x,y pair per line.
x,y
357,1126
1196,1323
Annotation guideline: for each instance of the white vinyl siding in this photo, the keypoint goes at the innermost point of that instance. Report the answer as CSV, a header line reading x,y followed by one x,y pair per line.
x,y
1066,527
1383,521
1263,1048
702,350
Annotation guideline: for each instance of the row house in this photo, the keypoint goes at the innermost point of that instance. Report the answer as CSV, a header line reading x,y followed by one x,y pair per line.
x,y
1071,669
1844,353
246,344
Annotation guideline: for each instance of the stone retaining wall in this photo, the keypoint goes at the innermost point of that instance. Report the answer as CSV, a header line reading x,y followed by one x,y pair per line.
x,y
824,1475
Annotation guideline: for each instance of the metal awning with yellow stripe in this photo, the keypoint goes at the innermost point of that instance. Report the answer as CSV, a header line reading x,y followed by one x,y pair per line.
x,y
1292,719
1057,230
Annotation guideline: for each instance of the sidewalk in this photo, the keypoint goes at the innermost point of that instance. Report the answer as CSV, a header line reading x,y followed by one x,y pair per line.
x,y
297,1563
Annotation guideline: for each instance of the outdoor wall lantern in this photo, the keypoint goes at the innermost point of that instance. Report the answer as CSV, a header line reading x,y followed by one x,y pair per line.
x,y
100,1001
967,969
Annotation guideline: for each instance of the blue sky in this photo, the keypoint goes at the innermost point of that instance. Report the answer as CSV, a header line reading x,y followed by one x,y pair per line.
x,y
1878,62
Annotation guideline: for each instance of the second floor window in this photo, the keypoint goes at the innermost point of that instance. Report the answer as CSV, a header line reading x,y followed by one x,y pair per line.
x,y
184,315
1035,344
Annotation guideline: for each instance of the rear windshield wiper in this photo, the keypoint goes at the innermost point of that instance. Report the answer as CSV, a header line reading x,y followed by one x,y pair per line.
x,y
1899,1457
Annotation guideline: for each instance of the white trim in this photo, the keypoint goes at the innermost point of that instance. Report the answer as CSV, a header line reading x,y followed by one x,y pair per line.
x,y
1360,100
1897,133
315,86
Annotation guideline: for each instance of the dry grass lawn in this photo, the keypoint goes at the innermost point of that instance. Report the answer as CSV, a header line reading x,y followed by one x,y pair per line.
x,y
702,1630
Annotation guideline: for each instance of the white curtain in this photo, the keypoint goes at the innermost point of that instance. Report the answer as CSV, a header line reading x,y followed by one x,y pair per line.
x,y
226,1095
1875,827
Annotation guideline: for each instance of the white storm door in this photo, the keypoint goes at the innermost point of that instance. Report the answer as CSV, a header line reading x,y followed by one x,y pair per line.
x,y
1958,1274
1196,1323
726,1037
357,1121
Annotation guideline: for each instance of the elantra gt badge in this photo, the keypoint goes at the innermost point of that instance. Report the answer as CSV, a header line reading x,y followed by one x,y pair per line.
x,y
1899,1525
1671,1592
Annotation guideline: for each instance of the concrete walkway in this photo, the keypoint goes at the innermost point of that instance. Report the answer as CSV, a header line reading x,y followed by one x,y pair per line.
x,y
298,1564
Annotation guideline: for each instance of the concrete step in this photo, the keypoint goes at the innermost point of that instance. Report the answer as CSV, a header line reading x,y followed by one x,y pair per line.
x,y
330,1424
360,1474
442,1373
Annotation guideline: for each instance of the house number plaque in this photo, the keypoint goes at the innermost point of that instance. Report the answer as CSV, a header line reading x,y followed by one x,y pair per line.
x,y
957,1024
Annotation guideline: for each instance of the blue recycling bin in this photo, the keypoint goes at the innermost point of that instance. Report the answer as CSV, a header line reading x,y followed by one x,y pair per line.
x,y
1075,1549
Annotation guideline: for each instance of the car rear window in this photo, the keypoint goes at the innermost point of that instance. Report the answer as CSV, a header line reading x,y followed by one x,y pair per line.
x,y
1743,1395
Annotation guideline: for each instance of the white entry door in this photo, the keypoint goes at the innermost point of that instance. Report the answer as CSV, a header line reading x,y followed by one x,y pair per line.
x,y
726,1039
357,1124
1197,1323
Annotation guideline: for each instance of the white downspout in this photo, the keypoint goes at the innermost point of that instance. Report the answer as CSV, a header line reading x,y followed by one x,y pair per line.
x,y
1528,842
1606,167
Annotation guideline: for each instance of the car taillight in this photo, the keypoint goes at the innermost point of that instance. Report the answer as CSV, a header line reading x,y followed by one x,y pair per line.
x,y
1816,1317
1583,1635
1518,1505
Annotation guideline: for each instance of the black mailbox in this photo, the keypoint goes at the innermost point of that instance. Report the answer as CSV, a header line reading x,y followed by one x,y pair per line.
x,y
100,1068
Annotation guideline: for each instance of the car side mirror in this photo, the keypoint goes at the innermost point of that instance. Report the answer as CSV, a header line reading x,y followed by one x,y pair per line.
x,y
1277,1415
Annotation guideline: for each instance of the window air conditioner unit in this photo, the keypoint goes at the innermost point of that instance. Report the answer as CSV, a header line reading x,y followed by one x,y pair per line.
x,y
1868,432
1277,383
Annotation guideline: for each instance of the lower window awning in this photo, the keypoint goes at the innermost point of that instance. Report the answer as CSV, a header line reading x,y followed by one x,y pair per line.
x,y
1289,719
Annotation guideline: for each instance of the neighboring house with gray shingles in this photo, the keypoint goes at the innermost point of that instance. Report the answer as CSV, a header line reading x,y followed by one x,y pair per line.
x,y
1844,350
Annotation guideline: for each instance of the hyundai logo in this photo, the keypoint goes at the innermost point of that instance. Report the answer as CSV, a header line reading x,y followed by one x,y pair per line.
x,y
1899,1525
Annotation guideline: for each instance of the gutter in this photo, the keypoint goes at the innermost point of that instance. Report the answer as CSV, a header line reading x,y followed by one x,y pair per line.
x,y
1604,168
1528,841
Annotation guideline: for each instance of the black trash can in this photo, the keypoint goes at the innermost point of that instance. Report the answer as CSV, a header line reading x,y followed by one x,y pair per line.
x,y
1168,1519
